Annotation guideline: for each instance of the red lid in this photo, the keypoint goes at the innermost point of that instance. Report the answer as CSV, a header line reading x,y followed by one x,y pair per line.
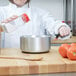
x,y
25,17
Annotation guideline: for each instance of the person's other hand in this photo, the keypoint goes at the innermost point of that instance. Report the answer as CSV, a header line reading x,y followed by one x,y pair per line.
x,y
64,31
10,19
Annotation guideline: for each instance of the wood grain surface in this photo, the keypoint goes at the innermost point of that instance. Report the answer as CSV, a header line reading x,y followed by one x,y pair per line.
x,y
52,62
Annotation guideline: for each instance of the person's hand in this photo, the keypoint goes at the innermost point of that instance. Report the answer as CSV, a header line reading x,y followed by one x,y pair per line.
x,y
1,30
10,19
64,31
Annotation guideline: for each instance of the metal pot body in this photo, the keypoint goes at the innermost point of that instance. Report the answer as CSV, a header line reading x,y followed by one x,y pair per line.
x,y
35,44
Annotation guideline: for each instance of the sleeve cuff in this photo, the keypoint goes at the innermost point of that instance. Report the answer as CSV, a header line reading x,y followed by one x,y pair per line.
x,y
58,25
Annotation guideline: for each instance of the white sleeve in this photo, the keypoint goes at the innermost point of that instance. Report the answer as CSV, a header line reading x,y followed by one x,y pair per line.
x,y
50,24
58,25
1,13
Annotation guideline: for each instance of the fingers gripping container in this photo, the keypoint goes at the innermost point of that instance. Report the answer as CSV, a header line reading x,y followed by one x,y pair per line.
x,y
15,23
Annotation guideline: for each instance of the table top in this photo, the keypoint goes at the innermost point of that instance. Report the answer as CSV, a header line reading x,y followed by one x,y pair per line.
x,y
52,62
71,40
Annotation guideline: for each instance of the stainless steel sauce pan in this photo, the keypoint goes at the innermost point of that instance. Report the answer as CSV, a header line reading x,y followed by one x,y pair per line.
x,y
35,44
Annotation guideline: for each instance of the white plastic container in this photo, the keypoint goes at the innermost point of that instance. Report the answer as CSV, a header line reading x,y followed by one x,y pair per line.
x,y
14,23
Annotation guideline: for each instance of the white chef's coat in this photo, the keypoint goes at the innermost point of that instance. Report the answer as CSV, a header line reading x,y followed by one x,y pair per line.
x,y
40,21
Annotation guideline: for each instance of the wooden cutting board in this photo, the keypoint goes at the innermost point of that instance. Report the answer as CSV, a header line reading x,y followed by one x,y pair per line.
x,y
52,62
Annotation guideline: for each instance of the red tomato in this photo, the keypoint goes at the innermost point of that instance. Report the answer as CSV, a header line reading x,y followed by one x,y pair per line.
x,y
63,50
71,54
73,44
